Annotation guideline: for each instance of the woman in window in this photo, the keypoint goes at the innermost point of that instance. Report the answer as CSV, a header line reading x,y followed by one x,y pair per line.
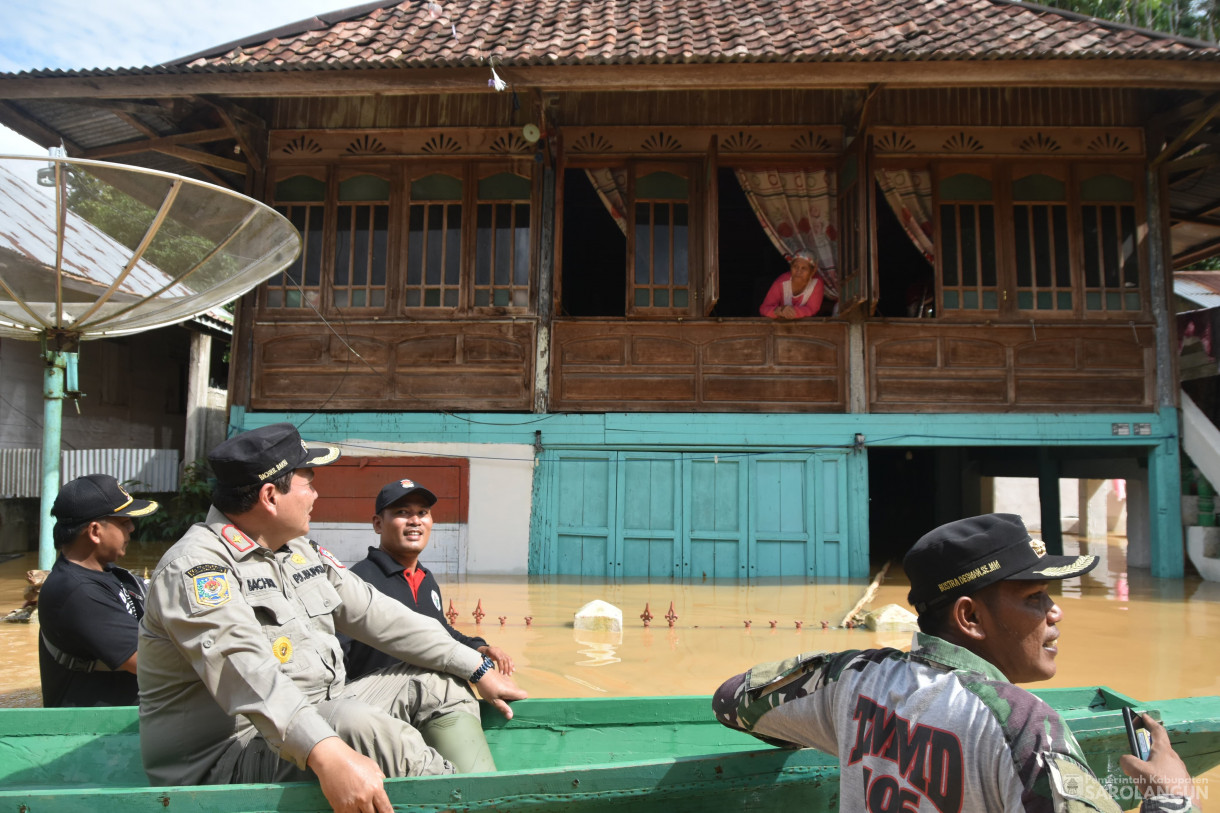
x,y
797,293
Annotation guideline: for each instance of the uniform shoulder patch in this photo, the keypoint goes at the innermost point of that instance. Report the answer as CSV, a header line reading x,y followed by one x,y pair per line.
x,y
236,539
209,588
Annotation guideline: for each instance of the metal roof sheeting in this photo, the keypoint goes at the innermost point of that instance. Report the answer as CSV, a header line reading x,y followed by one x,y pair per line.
x,y
156,470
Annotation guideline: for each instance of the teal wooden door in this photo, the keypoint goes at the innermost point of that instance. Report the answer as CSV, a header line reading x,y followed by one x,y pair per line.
x,y
584,485
649,515
798,510
716,517
659,515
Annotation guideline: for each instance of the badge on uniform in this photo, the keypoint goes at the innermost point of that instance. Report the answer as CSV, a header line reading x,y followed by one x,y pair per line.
x,y
297,559
281,648
212,589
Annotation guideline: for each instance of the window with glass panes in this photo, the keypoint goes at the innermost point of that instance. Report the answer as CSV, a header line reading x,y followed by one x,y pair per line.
x,y
361,242
434,242
967,247
1041,246
502,241
301,199
661,273
1110,238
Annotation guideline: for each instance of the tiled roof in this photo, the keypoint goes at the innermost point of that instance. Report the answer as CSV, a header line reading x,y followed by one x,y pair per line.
x,y
420,33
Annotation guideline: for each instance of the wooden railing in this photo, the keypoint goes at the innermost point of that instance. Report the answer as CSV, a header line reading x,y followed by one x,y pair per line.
x,y
928,367
745,365
400,366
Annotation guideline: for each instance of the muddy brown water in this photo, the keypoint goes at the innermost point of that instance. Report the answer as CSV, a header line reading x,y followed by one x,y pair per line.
x,y
1147,638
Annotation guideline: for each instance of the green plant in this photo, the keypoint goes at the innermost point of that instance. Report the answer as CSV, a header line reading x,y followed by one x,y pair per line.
x,y
179,510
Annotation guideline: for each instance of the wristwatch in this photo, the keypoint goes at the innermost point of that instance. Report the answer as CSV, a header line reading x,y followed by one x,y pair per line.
x,y
483,669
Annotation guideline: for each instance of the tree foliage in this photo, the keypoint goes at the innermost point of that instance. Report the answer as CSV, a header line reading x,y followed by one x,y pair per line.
x,y
1187,18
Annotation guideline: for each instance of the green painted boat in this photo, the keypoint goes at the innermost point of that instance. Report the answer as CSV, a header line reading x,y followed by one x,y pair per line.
x,y
649,754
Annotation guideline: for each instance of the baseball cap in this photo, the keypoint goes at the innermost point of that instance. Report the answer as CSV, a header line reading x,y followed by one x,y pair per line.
x,y
260,455
94,496
399,489
964,556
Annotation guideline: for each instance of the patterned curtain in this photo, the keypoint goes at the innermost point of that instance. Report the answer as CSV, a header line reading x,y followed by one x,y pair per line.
x,y
797,210
909,193
611,186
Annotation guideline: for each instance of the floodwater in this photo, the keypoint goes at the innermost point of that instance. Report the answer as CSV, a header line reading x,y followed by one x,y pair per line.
x,y
1147,638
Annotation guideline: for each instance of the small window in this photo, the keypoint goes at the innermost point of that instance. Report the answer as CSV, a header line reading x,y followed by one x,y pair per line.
x,y
1112,274
301,199
967,248
502,242
661,276
434,242
362,242
1041,244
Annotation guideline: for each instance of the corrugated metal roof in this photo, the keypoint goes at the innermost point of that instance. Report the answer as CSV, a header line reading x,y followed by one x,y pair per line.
x,y
1200,287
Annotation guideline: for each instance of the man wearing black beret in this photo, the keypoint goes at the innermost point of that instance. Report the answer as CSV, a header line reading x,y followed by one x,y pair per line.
x,y
241,672
943,727
89,608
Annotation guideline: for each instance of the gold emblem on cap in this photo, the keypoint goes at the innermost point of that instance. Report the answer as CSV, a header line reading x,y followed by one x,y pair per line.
x,y
281,648
1039,547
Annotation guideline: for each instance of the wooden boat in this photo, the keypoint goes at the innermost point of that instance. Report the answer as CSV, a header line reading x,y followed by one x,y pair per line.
x,y
651,754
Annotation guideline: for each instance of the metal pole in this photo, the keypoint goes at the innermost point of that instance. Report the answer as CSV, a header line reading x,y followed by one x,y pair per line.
x,y
52,423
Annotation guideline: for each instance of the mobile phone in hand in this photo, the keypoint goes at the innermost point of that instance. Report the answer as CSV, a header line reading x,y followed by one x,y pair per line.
x,y
1138,737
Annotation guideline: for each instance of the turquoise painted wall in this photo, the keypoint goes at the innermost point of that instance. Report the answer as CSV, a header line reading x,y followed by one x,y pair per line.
x,y
839,438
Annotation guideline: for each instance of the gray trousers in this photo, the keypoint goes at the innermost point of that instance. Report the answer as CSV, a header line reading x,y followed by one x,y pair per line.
x,y
378,715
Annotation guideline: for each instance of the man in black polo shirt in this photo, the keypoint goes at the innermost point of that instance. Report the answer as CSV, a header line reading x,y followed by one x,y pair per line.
x,y
403,520
404,523
89,609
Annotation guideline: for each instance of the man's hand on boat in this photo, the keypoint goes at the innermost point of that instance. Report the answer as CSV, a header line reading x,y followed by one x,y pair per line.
x,y
499,657
350,781
1163,771
499,690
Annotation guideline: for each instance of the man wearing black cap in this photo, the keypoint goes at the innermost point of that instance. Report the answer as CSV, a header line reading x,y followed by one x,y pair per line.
x,y
943,727
241,672
89,609
403,521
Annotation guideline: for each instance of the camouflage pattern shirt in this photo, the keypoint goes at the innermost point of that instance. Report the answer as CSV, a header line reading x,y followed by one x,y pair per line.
x,y
935,730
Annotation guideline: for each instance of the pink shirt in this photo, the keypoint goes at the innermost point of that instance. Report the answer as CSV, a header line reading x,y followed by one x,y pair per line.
x,y
807,302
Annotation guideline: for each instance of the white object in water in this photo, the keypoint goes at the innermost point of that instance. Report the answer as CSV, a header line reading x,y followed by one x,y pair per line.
x,y
599,615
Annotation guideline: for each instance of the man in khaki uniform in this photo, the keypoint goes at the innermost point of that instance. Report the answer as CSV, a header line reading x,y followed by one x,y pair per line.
x,y
241,674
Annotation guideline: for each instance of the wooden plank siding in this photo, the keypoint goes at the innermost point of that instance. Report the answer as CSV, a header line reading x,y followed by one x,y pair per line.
x,y
992,107
395,366
985,368
731,366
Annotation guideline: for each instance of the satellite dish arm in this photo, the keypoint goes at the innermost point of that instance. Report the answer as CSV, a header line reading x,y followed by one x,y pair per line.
x,y
151,232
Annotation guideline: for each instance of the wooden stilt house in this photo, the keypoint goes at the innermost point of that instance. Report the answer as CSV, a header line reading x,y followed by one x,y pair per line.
x,y
537,236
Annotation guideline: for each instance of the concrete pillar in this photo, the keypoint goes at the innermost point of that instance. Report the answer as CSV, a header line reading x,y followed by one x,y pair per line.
x,y
1093,511
1139,539
197,397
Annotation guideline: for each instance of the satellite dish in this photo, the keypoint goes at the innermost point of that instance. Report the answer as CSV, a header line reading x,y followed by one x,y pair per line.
x,y
90,249
531,133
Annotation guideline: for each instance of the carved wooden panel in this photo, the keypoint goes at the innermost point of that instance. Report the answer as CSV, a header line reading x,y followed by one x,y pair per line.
x,y
738,366
925,367
330,145
1094,142
677,140
401,366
